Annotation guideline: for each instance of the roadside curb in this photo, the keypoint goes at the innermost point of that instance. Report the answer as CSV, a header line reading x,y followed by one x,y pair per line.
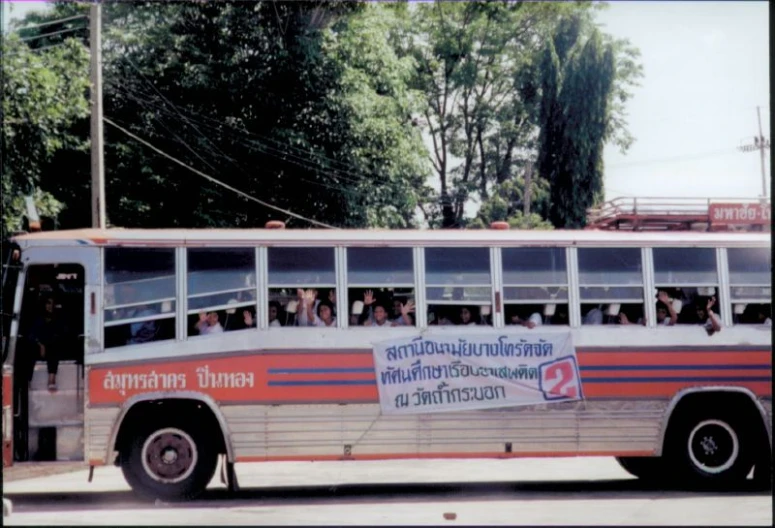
x,y
29,470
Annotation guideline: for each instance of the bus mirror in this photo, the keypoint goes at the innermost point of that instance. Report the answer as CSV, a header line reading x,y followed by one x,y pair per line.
x,y
613,309
357,308
549,309
292,305
739,309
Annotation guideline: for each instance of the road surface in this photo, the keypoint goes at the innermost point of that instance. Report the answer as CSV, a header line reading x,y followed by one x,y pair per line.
x,y
581,491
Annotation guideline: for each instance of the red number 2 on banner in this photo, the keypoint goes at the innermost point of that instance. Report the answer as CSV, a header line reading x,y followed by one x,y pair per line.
x,y
559,380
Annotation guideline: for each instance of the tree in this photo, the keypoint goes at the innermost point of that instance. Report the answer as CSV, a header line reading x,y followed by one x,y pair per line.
x,y
293,103
44,93
583,83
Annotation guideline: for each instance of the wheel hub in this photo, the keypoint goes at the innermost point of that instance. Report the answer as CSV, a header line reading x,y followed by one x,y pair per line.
x,y
713,446
169,455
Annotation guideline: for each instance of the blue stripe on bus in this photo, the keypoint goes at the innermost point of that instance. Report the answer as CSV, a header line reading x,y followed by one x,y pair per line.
x,y
320,382
585,379
675,367
320,370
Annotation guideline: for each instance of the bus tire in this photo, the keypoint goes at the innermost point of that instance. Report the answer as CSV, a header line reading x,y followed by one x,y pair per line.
x,y
711,448
171,461
648,469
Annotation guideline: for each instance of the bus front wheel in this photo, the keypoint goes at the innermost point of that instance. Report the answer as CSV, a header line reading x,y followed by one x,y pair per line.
x,y
169,462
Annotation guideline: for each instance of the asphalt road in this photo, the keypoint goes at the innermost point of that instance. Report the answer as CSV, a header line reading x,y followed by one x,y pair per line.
x,y
586,491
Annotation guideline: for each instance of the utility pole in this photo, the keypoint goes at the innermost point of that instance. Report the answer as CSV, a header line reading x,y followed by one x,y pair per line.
x,y
527,194
97,150
761,144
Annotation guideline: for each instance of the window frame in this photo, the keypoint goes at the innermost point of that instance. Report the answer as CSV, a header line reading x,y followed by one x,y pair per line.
x,y
103,307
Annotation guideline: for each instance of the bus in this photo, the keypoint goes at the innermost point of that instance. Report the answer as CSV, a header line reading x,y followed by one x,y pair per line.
x,y
181,351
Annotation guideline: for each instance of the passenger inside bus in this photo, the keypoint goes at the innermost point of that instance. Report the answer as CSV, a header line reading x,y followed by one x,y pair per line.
x,y
524,318
47,335
705,315
208,323
466,316
140,332
324,314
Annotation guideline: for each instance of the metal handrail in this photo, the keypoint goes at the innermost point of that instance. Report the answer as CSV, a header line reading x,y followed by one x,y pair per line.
x,y
659,205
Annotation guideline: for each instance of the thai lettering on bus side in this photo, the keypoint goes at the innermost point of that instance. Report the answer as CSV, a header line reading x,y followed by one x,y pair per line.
x,y
223,380
145,381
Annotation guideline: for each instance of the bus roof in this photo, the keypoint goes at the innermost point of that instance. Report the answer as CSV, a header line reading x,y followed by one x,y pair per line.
x,y
384,237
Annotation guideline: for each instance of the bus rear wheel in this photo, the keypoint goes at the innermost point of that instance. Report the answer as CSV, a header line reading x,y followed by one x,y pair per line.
x,y
711,448
169,462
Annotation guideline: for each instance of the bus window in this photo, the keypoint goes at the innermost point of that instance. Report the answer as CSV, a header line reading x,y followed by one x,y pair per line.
x,y
610,284
139,296
221,290
535,286
380,285
750,284
458,286
299,276
689,277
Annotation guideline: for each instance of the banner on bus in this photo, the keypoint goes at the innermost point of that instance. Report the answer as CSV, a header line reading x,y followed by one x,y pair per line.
x,y
465,372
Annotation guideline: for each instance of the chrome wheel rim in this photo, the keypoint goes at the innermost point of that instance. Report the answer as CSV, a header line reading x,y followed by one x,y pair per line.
x,y
713,446
169,455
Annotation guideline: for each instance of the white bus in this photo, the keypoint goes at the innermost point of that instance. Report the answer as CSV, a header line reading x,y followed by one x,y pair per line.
x,y
177,348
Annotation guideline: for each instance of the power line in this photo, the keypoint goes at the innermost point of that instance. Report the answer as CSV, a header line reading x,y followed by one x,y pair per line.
x,y
76,17
715,153
213,180
25,39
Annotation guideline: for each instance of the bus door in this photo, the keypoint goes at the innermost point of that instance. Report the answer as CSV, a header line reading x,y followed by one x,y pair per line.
x,y
48,359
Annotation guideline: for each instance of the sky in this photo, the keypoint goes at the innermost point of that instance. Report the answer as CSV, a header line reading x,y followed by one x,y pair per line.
x,y
706,69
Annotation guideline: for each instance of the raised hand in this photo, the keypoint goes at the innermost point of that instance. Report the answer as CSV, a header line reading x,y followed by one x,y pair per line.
x,y
711,302
368,297
407,308
202,317
623,319
309,297
247,317
300,294
662,296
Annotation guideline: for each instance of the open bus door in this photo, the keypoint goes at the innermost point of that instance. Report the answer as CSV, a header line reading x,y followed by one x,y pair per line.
x,y
48,420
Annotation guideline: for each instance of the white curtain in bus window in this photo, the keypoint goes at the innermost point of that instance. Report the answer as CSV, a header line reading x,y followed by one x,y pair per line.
x,y
222,281
386,272
139,295
750,282
610,274
458,275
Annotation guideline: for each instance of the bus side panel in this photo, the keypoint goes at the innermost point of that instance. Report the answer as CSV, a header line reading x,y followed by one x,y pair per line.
x,y
305,405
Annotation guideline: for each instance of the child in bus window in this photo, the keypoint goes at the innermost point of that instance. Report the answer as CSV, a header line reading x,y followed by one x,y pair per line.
x,y
379,317
325,315
532,321
466,316
208,323
705,315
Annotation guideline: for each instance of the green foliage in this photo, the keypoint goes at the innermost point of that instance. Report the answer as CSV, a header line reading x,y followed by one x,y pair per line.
x,y
319,108
44,93
581,75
